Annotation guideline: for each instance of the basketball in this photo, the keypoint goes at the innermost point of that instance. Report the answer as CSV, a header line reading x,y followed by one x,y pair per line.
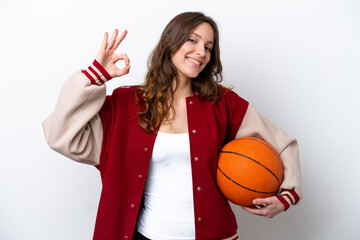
x,y
248,168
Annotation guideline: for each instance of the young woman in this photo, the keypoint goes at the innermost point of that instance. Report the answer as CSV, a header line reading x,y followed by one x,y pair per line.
x,y
156,145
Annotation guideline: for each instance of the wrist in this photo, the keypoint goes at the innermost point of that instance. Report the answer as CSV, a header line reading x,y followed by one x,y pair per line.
x,y
97,73
288,197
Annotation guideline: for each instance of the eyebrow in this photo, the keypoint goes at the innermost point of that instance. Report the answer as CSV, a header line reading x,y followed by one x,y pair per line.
x,y
201,37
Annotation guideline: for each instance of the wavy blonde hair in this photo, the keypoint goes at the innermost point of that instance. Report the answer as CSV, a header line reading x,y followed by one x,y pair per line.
x,y
157,91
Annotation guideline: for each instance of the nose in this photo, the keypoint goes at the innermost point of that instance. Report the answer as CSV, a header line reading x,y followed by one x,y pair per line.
x,y
200,50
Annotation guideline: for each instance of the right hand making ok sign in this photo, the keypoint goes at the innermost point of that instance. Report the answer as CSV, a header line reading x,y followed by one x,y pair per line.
x,y
108,58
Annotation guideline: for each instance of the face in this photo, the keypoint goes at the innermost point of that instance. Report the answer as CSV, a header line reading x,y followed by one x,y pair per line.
x,y
195,53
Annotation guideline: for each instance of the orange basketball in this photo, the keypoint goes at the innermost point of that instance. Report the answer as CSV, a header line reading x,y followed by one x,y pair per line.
x,y
248,168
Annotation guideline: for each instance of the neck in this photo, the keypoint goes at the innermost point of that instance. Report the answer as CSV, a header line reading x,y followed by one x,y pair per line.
x,y
183,89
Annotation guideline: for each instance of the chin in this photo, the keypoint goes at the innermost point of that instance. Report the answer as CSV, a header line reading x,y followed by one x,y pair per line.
x,y
189,74
193,75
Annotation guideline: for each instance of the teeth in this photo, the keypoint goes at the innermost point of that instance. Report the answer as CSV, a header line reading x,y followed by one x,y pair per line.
x,y
194,61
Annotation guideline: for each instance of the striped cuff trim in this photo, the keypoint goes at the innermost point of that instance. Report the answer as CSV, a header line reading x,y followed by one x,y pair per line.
x,y
288,198
97,74
234,237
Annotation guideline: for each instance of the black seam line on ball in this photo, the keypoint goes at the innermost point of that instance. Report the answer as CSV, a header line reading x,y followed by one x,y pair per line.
x,y
265,144
254,162
242,185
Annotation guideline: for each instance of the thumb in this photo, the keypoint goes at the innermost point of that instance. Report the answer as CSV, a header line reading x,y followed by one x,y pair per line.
x,y
123,71
260,201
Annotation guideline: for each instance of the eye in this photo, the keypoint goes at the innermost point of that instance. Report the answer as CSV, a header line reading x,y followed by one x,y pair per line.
x,y
191,40
208,49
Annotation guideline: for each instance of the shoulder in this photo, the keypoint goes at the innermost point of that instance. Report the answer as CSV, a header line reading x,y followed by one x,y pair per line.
x,y
125,90
122,96
230,97
124,93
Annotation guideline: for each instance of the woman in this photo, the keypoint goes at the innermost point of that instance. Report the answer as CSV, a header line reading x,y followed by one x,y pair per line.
x,y
156,145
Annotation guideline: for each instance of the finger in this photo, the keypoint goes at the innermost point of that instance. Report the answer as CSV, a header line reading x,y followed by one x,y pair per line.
x,y
119,39
255,211
123,71
122,56
261,201
112,39
104,42
125,58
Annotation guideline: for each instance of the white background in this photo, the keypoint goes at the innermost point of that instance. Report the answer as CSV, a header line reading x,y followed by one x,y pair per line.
x,y
297,62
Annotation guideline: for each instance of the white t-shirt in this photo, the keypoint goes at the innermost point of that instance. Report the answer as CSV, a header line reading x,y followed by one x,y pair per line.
x,y
168,211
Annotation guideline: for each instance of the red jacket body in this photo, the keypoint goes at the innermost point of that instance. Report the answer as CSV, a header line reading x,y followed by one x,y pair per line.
x,y
126,152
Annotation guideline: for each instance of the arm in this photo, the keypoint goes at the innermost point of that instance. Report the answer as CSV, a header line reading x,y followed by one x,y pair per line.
x,y
255,125
74,129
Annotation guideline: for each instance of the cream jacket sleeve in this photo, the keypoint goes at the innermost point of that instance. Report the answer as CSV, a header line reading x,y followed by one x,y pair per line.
x,y
74,128
254,125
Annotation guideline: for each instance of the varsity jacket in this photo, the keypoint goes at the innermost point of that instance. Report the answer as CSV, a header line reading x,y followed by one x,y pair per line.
x,y
90,127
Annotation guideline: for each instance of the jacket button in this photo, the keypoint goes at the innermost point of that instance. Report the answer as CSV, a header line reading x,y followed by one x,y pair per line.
x,y
191,102
194,131
198,188
126,237
196,159
132,205
199,219
140,176
146,149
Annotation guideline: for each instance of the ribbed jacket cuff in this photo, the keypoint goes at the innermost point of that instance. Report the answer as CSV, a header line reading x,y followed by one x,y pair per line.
x,y
97,74
288,198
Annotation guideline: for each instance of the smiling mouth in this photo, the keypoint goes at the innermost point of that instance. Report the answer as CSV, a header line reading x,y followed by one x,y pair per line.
x,y
194,61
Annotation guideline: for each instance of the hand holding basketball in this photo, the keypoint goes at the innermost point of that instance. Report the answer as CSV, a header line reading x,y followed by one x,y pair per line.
x,y
107,56
266,207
